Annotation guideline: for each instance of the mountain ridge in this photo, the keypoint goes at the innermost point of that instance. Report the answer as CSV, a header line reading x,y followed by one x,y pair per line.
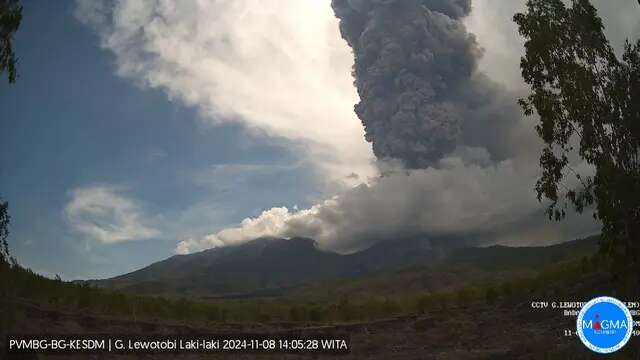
x,y
268,265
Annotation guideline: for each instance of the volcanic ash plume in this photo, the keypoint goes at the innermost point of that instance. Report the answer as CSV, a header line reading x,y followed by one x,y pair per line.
x,y
414,60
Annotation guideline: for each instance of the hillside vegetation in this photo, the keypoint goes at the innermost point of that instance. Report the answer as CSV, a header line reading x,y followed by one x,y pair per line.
x,y
367,298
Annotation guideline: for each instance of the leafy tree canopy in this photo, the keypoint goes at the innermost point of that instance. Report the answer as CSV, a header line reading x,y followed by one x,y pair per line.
x,y
10,18
5,256
588,103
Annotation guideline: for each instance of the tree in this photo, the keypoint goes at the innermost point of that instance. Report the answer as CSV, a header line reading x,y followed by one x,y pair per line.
x,y
10,18
5,256
588,102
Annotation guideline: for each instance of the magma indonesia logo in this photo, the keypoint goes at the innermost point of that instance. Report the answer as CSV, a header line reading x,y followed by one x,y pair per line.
x,y
605,325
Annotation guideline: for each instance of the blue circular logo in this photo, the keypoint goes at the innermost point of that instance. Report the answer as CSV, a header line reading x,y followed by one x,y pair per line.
x,y
604,325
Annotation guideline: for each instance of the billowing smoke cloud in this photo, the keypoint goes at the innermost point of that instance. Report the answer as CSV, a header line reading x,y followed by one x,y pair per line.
x,y
415,71
462,200
468,160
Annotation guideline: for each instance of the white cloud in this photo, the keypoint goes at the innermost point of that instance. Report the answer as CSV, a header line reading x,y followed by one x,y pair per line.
x,y
492,23
269,223
281,66
103,214
463,199
225,177
278,66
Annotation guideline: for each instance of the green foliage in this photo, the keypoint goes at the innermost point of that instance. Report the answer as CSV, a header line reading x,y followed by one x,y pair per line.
x,y
464,296
6,260
10,18
18,284
491,295
22,286
588,102
345,309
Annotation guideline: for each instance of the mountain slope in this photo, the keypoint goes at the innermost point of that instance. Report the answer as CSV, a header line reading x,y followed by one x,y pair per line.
x,y
270,265
264,263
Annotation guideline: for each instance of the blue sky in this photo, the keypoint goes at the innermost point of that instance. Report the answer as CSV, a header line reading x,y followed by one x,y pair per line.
x,y
70,123
141,129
